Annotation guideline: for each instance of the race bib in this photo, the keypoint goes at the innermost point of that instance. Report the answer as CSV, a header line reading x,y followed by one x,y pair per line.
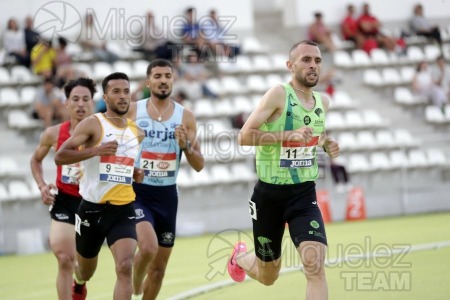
x,y
118,169
158,164
70,174
297,154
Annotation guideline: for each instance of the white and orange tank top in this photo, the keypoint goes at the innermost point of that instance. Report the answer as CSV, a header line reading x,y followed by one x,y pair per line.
x,y
109,178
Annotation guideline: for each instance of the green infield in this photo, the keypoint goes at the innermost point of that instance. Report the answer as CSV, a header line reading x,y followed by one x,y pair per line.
x,y
409,261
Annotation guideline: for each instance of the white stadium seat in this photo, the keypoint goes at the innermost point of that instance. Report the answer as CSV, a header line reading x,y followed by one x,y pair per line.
x,y
380,161
385,139
19,190
398,159
415,54
373,78
347,141
9,97
262,63
224,107
358,163
342,59
335,120
256,83
432,52
379,57
361,58
434,115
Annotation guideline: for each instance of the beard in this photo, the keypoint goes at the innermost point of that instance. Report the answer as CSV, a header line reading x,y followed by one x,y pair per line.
x,y
161,96
118,111
307,83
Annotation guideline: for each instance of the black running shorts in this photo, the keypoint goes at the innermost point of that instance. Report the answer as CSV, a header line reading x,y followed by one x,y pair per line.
x,y
272,206
95,222
64,208
158,205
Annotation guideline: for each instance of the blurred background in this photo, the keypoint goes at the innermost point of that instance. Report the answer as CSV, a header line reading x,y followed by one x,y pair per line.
x,y
386,69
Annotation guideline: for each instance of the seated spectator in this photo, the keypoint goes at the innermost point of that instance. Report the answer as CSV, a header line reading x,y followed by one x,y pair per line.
x,y
31,36
349,27
49,103
441,75
153,42
319,33
421,26
423,84
14,43
371,36
192,32
193,75
216,36
43,57
92,42
63,62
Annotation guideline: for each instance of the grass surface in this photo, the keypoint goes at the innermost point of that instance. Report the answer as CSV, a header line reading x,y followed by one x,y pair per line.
x,y
198,261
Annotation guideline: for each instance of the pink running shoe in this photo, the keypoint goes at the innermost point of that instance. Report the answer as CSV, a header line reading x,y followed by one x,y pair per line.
x,y
235,271
79,291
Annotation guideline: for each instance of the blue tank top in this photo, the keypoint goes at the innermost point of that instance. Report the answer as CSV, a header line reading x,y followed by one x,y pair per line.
x,y
159,154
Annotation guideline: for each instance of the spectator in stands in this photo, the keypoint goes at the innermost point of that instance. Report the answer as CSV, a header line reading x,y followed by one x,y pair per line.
x,y
91,41
43,57
349,27
31,35
192,32
193,76
216,36
423,84
319,33
441,75
14,43
154,42
63,62
63,204
421,26
49,103
369,28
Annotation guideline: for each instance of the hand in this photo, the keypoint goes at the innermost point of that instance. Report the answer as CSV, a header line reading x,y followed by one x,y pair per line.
x,y
331,148
181,135
108,148
47,196
138,175
303,134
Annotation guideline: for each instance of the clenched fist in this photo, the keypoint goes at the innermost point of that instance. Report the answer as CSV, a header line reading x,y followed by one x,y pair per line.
x,y
108,148
331,147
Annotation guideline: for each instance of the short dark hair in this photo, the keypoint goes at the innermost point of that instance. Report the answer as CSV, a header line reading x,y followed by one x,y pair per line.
x,y
80,81
304,42
159,62
113,76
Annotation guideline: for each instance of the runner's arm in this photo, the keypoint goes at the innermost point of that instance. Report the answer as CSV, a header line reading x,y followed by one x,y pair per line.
x,y
193,154
329,145
70,153
48,139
